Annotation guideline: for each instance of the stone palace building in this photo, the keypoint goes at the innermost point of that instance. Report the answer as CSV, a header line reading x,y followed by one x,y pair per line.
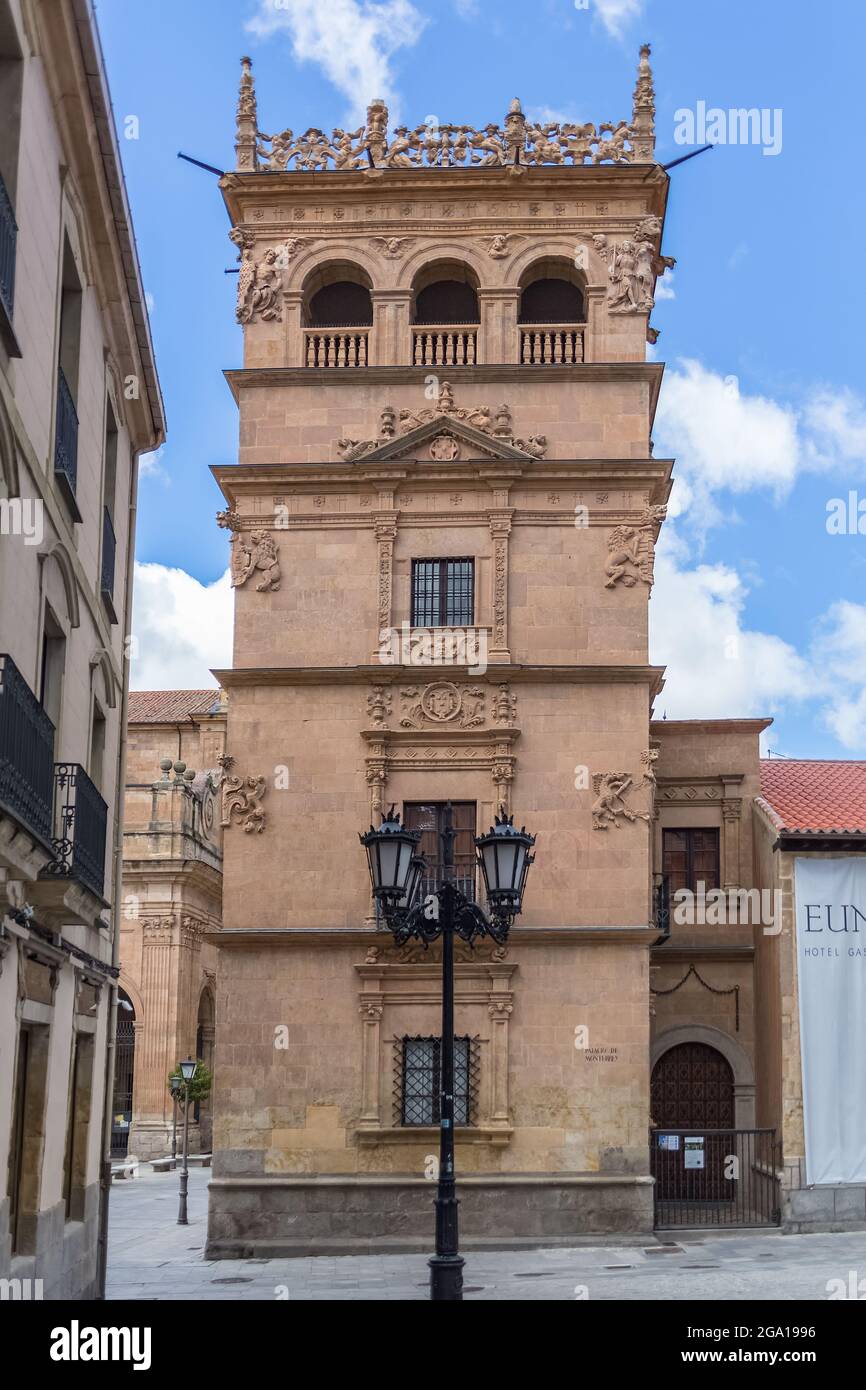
x,y
441,526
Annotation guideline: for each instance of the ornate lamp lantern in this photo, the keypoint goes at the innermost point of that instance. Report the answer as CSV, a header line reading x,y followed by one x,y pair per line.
x,y
396,870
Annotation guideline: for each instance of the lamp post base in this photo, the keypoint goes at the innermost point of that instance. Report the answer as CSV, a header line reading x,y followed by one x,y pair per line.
x,y
446,1278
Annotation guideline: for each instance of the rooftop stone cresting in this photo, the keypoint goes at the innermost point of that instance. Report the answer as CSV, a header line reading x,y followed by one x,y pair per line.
x,y
516,143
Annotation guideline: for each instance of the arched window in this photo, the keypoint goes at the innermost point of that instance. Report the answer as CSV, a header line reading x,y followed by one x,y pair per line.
x,y
552,291
552,313
445,316
337,315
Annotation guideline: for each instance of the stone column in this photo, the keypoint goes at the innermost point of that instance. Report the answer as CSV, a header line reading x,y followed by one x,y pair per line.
x,y
500,529
500,1012
371,1011
293,328
731,809
155,1044
391,338
385,530
596,324
498,339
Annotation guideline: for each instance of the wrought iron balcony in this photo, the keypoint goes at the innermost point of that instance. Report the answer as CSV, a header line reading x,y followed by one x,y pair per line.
x,y
66,442
663,905
109,551
26,754
79,826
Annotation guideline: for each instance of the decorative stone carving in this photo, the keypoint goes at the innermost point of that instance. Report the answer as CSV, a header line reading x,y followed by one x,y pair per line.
x,y
498,247
504,707
497,424
633,266
260,552
241,797
379,704
609,807
386,531
631,550
394,246
259,282
443,702
444,448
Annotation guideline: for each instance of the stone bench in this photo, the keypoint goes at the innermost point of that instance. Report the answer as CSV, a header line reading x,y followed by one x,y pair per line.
x,y
199,1160
163,1165
120,1171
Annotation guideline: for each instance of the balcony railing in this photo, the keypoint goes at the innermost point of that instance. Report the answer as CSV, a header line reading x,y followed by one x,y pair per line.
x,y
26,753
8,241
335,347
551,344
66,441
445,345
109,551
79,826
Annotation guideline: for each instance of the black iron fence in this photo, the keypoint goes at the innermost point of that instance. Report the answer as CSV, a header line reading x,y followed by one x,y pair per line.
x,y
80,821
26,753
8,242
66,439
716,1177
109,551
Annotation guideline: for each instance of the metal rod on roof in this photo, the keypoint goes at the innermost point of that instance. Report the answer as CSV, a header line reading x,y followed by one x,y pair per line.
x,y
683,157
220,173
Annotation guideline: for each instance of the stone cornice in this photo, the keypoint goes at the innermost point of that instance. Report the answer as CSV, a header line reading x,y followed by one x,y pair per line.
x,y
360,938
494,373
709,726
386,675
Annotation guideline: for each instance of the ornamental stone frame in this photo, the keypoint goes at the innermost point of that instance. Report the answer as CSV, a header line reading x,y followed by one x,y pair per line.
x,y
486,985
720,793
733,1052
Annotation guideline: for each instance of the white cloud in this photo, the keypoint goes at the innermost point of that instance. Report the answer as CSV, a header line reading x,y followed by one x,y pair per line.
x,y
150,465
352,41
181,629
716,666
665,286
616,15
467,9
840,650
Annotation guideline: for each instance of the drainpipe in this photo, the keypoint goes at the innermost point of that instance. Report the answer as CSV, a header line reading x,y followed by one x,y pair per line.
x,y
116,883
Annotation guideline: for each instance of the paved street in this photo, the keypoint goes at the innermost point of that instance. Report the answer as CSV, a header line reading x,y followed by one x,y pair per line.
x,y
151,1257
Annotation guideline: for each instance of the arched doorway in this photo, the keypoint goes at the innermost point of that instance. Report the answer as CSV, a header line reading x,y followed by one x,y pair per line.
x,y
124,1070
692,1088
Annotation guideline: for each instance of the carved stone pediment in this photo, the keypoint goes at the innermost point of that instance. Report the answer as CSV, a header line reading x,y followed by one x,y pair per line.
x,y
443,439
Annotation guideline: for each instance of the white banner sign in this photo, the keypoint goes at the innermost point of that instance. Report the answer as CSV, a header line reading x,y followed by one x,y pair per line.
x,y
831,967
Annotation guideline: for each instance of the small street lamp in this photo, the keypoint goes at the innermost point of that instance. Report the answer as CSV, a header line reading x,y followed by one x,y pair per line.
x,y
395,873
187,1072
175,1085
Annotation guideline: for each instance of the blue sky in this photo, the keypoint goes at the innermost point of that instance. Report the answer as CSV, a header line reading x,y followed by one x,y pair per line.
x,y
757,608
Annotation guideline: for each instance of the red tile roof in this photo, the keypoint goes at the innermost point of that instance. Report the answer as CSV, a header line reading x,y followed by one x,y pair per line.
x,y
169,706
806,794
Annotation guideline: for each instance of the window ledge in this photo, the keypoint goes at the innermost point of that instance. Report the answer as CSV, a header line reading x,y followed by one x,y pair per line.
x,y
429,1134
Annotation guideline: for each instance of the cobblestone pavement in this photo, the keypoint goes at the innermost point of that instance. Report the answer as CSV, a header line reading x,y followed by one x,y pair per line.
x,y
151,1257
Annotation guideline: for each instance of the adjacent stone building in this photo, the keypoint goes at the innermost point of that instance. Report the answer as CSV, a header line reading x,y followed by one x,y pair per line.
x,y
172,896
79,400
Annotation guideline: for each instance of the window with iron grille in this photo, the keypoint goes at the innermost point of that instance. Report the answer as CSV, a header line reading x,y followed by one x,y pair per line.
x,y
691,857
417,1080
443,593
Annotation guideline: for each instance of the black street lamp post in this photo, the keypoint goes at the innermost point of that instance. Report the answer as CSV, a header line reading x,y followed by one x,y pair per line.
x,y
175,1086
396,871
187,1071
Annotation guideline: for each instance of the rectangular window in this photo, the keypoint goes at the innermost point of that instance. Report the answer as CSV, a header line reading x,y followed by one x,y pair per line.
x,y
430,818
11,76
443,593
109,489
420,1080
27,1136
691,857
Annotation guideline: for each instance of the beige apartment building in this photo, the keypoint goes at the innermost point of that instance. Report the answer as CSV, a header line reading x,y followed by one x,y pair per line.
x,y
79,401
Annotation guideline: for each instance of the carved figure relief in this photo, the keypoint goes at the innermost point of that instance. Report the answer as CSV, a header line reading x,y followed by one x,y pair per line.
x,y
631,550
394,246
498,248
241,797
260,553
610,807
633,266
